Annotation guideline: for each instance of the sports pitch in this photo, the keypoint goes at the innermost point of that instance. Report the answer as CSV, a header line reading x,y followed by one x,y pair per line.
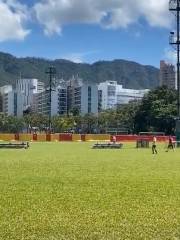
x,y
68,191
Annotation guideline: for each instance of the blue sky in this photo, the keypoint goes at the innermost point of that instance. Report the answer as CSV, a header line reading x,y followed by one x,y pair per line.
x,y
87,31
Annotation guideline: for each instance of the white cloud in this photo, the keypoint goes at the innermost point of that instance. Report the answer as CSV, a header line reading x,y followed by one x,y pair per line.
x,y
74,57
54,14
78,57
12,17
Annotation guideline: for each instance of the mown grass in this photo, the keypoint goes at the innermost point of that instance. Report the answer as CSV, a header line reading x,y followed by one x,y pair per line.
x,y
55,191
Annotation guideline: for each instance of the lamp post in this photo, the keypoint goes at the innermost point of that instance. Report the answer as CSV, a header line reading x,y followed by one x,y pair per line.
x,y
51,72
174,40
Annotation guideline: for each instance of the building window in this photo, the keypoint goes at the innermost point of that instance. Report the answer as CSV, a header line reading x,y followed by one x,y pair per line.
x,y
111,91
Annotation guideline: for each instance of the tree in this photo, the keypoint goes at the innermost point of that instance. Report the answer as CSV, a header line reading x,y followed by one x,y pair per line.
x,y
89,123
75,111
11,124
126,115
38,121
157,111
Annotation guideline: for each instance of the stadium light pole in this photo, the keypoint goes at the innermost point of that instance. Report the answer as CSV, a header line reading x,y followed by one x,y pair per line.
x,y
174,40
51,72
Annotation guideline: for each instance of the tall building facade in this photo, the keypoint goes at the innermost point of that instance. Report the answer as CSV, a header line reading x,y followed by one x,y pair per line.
x,y
82,96
44,103
167,75
28,89
99,100
113,94
1,103
62,99
15,101
69,97
7,99
58,100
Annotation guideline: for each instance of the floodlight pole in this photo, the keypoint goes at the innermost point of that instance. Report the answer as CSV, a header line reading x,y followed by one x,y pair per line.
x,y
51,72
178,69
174,6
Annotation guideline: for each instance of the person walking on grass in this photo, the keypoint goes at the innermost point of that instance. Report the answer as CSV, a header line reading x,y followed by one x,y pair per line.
x,y
154,149
170,144
114,139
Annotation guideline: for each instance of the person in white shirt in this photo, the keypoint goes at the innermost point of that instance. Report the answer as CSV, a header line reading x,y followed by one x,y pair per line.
x,y
114,139
154,149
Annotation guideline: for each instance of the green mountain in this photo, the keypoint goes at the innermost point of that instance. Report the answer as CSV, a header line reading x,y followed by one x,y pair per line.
x,y
127,73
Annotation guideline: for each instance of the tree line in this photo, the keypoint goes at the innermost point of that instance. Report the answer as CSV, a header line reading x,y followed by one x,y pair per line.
x,y
156,112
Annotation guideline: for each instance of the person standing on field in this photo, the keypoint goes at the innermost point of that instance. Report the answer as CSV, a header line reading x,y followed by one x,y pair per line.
x,y
114,139
170,143
154,149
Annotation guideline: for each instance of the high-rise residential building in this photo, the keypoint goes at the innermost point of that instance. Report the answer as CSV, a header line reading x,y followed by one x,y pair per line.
x,y
29,89
167,75
40,86
58,100
99,100
7,99
12,101
1,103
8,106
35,99
113,94
62,99
18,104
44,103
70,97
5,89
82,96
109,94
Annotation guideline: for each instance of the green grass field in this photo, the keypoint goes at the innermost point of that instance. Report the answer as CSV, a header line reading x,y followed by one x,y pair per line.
x,y
56,191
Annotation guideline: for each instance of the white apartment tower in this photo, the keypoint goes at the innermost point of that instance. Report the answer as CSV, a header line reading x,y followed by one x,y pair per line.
x,y
82,96
7,99
167,75
29,89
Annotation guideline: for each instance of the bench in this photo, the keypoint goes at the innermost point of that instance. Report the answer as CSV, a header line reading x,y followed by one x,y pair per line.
x,y
14,145
109,145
